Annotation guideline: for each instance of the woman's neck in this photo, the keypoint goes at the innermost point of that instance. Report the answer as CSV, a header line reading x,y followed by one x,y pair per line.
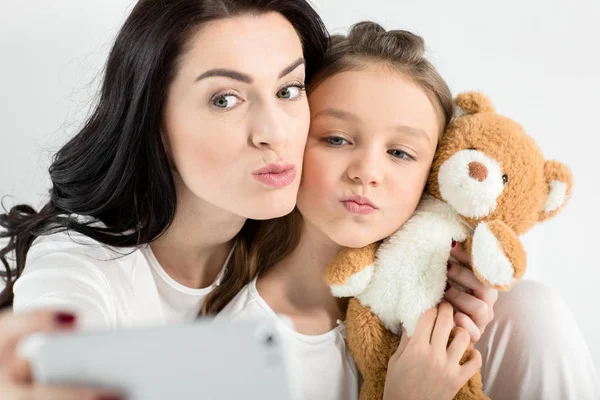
x,y
295,285
194,248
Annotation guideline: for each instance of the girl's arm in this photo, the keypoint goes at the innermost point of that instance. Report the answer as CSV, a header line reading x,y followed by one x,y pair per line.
x,y
425,367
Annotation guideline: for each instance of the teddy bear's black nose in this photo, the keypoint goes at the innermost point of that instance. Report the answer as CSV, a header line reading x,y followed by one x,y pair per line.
x,y
477,171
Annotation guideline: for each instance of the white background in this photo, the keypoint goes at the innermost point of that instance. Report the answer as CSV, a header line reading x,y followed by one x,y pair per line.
x,y
538,60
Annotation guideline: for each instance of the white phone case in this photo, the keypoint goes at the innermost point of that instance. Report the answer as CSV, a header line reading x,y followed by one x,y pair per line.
x,y
202,360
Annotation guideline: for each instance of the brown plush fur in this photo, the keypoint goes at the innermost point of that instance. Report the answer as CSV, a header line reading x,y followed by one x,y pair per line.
x,y
372,346
349,261
520,206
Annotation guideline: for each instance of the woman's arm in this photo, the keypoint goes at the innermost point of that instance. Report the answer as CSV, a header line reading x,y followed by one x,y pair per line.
x,y
63,273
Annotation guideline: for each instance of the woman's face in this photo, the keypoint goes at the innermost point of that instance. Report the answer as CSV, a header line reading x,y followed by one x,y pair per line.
x,y
372,140
236,116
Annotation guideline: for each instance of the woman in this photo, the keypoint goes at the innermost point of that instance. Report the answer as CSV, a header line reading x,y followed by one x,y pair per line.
x,y
194,115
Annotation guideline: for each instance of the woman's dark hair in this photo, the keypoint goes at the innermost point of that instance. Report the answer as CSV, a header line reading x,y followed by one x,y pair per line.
x,y
115,169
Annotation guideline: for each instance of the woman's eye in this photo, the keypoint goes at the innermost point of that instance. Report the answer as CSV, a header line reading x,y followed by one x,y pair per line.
x,y
336,141
290,92
225,101
400,154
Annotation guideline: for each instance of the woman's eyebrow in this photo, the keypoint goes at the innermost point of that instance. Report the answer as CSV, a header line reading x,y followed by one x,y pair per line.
x,y
245,78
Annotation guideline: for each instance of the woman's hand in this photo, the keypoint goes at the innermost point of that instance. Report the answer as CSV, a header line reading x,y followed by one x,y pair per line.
x,y
425,367
15,375
474,311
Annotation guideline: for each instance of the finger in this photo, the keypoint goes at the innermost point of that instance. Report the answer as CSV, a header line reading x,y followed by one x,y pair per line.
x,y
468,304
424,327
460,254
463,321
62,393
460,342
404,340
443,325
465,277
18,325
16,370
472,365
13,327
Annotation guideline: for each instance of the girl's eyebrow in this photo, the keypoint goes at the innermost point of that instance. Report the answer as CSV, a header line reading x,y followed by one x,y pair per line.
x,y
336,113
348,116
417,132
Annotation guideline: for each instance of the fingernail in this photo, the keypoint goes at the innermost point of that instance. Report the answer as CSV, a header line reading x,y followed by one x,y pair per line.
x,y
447,287
64,318
453,243
448,265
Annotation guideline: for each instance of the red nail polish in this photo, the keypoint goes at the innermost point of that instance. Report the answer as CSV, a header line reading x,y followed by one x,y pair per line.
x,y
64,319
110,397
448,265
453,244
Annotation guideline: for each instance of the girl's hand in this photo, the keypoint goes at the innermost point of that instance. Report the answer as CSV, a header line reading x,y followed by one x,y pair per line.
x,y
425,367
474,311
15,375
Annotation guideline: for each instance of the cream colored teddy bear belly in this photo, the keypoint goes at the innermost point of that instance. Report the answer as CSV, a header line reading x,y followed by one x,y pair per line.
x,y
409,274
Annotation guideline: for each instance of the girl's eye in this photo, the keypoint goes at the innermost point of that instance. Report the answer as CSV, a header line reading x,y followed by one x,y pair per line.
x,y
291,92
336,141
225,101
401,154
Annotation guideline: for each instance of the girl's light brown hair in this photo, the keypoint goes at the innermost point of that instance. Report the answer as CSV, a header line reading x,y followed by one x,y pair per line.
x,y
402,51
264,245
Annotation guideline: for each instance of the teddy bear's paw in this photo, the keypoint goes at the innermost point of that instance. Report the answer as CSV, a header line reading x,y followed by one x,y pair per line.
x,y
489,260
355,284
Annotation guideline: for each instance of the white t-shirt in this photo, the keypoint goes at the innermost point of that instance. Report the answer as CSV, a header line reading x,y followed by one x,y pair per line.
x,y
106,287
323,362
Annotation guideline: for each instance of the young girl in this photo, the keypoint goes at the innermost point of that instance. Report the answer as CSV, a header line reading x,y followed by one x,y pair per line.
x,y
378,109
201,124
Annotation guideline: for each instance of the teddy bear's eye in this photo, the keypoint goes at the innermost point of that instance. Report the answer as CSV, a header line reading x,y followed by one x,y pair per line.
x,y
505,178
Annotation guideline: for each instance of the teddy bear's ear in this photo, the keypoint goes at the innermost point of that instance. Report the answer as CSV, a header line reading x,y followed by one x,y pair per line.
x,y
473,103
560,182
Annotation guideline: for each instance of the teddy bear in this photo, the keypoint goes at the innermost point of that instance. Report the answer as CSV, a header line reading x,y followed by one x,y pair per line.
x,y
489,184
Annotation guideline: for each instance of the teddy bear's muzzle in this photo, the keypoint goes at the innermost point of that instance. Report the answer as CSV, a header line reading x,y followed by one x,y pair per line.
x,y
471,182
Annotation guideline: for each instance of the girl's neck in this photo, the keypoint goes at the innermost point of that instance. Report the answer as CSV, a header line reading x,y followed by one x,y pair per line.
x,y
295,285
194,248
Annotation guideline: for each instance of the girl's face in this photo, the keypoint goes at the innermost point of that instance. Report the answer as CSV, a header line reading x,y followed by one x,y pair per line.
x,y
236,116
371,143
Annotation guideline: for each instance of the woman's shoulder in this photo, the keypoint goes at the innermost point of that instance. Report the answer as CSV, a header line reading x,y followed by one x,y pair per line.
x,y
60,246
66,254
70,269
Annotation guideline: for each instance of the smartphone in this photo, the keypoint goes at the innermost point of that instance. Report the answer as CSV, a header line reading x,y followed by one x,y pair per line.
x,y
201,360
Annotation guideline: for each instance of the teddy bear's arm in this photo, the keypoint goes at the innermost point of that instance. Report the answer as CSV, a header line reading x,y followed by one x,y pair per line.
x,y
497,255
349,273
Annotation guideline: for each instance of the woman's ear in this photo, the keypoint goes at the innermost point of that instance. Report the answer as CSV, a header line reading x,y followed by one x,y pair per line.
x,y
559,181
